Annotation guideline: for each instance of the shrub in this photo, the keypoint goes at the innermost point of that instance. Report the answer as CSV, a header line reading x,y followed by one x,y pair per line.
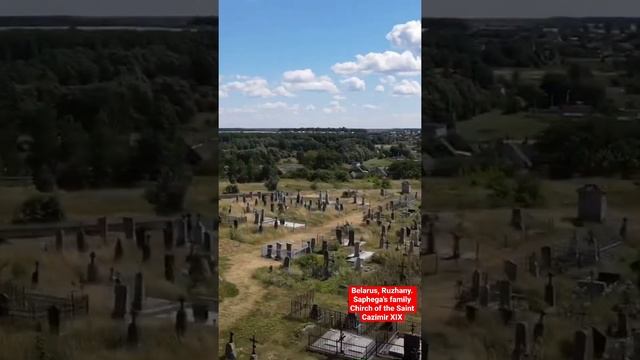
x,y
168,193
272,183
39,209
231,189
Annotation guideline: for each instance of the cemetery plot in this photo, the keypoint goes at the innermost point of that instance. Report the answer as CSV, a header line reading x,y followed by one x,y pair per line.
x,y
364,237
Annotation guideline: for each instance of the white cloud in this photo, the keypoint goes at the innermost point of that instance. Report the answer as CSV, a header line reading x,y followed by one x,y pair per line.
x,y
334,107
222,93
310,107
339,97
389,79
387,62
370,106
254,87
354,84
406,36
306,80
240,110
280,90
407,88
379,88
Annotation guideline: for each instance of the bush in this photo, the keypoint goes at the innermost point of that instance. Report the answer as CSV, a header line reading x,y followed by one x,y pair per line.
x,y
44,180
39,209
231,189
168,193
272,183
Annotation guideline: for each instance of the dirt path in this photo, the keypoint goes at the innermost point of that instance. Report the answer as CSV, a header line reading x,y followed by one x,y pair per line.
x,y
244,260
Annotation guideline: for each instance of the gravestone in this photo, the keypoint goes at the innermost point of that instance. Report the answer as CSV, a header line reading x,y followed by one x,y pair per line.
x,y
582,346
132,331
230,349
516,219
358,264
278,251
118,251
534,268
270,251
352,237
168,235
511,270
169,263
59,240
181,319
538,329
521,347
141,235
92,269
599,343
550,292
146,249
325,246
356,250
504,287
53,317
80,241
289,250
287,263
120,300
475,284
138,292
313,244
183,232
623,229
622,327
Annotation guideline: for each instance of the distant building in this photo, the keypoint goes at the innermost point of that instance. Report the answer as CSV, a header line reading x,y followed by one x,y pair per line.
x,y
592,203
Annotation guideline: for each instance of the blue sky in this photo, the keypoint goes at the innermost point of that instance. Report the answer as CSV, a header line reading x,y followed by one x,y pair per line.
x,y
326,63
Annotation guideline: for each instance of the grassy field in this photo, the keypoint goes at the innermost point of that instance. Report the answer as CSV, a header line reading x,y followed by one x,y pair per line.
x,y
373,163
494,125
304,185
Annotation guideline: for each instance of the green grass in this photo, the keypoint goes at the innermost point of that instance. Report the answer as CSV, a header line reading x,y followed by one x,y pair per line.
x,y
494,125
373,163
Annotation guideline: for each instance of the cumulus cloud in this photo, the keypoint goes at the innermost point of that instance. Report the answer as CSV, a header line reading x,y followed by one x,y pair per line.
x,y
407,88
280,90
339,97
379,88
306,80
254,87
370,106
406,36
310,107
334,107
388,62
354,84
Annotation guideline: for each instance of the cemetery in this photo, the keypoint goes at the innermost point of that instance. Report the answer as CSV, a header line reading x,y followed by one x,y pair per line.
x,y
291,281
555,281
129,286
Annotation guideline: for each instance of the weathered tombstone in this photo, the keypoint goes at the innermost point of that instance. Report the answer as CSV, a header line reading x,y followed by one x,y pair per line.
x,y
181,319
314,314
289,250
538,329
132,331
550,292
511,270
269,251
138,292
622,328
325,246
287,263
352,237
35,276
118,251
381,243
278,251
206,243
534,268
313,244
516,218
53,317
92,269
169,263
356,249
80,241
623,229
504,287
168,235
230,349
475,284
120,300
146,249
59,240
599,343
582,346
521,347
183,232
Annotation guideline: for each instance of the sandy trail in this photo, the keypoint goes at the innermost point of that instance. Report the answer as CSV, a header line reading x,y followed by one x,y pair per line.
x,y
244,260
